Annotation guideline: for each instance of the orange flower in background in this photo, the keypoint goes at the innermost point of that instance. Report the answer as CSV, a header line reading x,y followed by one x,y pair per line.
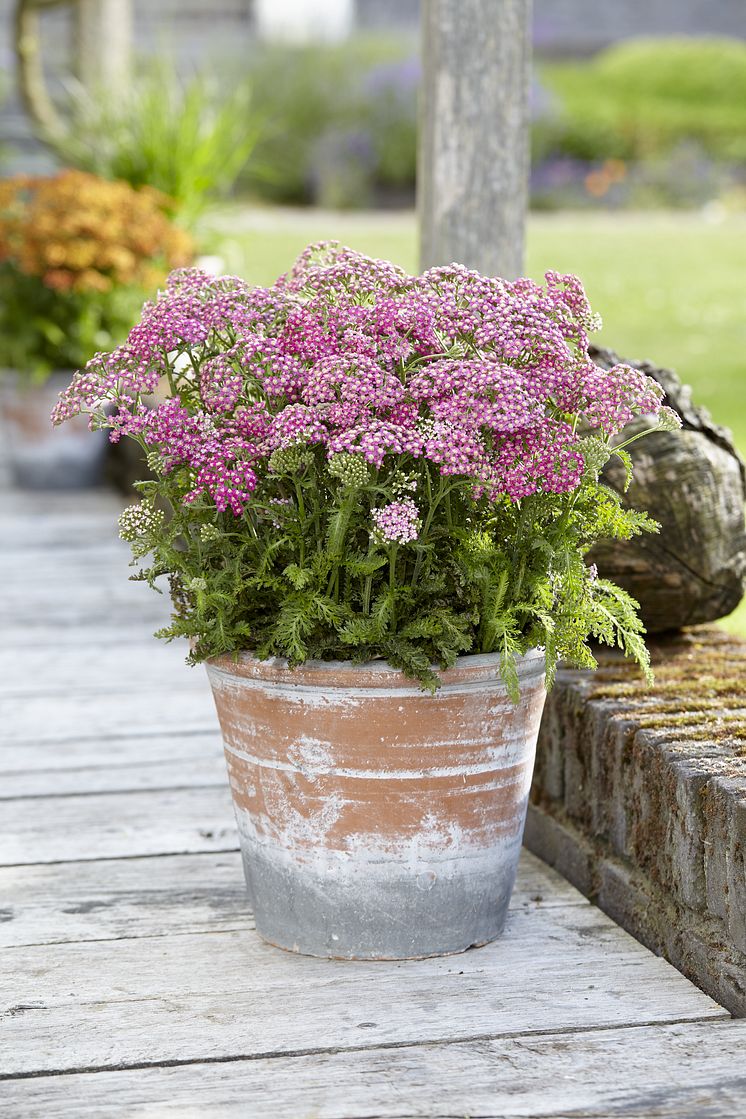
x,y
599,181
78,232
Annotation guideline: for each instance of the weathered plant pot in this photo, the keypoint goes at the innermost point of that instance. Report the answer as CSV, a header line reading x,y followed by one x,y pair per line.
x,y
378,821
40,456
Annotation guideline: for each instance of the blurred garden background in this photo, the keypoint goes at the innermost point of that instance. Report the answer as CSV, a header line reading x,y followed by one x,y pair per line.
x,y
267,124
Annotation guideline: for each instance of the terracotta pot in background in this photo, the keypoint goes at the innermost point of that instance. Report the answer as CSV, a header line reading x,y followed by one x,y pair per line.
x,y
378,821
41,456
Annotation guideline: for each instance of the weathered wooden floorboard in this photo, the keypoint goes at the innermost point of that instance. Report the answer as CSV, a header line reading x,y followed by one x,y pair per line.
x,y
49,760
68,718
692,1071
140,776
145,665
95,603
24,506
126,1002
105,560
76,530
85,633
177,894
118,825
128,942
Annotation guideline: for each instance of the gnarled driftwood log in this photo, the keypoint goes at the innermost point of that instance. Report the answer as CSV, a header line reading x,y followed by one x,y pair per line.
x,y
693,482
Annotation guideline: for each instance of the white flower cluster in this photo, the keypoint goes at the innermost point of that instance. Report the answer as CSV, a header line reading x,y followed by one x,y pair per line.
x,y
138,521
668,420
209,533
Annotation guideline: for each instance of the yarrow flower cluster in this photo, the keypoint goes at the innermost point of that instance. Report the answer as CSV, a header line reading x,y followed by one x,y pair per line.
x,y
352,470
360,459
139,521
486,379
397,523
77,256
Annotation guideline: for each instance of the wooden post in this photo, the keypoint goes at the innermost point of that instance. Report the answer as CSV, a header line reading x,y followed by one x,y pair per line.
x,y
474,134
103,44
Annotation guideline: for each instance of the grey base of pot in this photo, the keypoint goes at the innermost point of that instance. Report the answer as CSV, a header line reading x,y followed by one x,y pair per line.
x,y
380,912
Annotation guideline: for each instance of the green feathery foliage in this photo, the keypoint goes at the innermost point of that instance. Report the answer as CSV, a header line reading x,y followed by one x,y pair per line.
x,y
302,577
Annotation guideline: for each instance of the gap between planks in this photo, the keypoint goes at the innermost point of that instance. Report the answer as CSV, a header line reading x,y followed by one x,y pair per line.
x,y
193,996
679,1071
380,1047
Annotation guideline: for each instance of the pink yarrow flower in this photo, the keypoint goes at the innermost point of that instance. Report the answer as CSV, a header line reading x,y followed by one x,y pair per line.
x,y
472,376
397,523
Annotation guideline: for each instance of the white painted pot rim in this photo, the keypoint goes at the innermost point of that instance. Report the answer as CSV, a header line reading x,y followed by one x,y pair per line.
x,y
473,660
474,672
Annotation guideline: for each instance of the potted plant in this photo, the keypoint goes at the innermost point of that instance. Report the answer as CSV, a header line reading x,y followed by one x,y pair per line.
x,y
373,495
77,256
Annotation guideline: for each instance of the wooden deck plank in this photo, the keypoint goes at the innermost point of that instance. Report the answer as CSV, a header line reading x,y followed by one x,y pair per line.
x,y
128,942
170,821
85,633
22,506
107,756
677,1072
225,994
145,774
117,898
44,532
95,603
108,565
66,718
105,666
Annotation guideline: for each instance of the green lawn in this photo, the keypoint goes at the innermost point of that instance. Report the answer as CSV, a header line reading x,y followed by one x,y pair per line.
x,y
670,286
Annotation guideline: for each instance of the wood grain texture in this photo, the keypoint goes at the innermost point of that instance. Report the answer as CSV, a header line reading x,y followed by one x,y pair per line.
x,y
67,718
687,1071
116,898
107,757
83,634
147,774
473,136
128,943
120,825
102,665
126,1002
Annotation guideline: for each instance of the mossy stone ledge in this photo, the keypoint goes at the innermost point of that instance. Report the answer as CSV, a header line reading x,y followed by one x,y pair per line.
x,y
639,798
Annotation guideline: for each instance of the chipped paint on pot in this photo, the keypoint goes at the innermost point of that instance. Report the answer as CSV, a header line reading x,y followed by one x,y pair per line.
x,y
378,821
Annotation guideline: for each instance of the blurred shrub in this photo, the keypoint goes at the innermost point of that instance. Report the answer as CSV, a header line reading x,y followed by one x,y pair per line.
x,y
77,257
682,179
642,98
620,129
341,121
189,138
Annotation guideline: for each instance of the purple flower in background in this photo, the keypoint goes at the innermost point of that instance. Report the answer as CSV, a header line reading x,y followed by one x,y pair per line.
x,y
401,78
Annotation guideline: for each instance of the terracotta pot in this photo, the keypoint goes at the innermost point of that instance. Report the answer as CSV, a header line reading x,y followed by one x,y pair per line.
x,y
41,456
378,821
